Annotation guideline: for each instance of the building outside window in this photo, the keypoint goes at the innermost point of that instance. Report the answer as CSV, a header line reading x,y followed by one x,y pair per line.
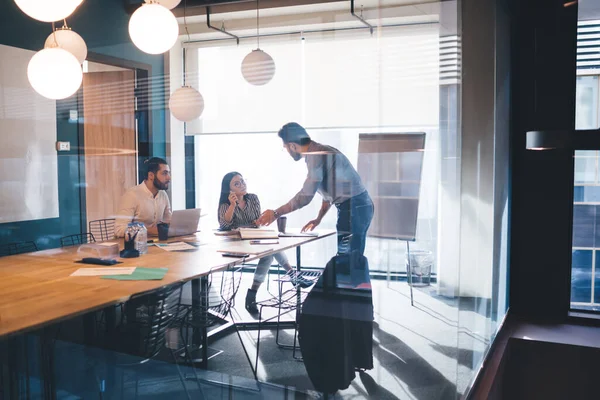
x,y
585,276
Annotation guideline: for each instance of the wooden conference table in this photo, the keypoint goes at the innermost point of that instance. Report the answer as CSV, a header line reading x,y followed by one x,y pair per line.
x,y
36,289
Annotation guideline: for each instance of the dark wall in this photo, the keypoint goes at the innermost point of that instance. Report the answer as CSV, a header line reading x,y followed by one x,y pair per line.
x,y
549,371
543,97
103,24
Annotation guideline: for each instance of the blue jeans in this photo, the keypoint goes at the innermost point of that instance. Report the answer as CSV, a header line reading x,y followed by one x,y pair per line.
x,y
354,219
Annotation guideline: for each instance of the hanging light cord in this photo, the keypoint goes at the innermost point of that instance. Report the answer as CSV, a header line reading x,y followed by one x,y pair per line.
x,y
188,35
257,34
184,20
54,35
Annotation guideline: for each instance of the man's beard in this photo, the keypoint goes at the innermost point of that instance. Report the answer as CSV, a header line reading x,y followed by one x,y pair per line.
x,y
296,156
159,185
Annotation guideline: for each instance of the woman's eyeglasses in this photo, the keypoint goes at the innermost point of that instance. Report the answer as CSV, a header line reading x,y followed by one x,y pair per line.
x,y
239,184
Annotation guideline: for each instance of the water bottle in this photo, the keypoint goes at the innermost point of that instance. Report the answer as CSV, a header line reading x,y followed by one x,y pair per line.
x,y
141,240
144,244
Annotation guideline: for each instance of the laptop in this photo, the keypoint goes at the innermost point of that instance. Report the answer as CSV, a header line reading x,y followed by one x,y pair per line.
x,y
184,222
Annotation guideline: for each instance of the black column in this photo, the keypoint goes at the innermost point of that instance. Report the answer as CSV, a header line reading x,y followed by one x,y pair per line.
x,y
543,87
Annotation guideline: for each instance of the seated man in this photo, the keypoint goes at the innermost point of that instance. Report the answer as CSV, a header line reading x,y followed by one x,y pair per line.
x,y
147,202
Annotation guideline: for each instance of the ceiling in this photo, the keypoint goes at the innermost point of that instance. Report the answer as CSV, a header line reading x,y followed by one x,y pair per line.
x,y
198,7
299,15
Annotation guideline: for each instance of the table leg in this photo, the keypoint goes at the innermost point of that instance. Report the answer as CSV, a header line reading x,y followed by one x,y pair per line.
x,y
298,261
47,367
200,307
298,294
203,312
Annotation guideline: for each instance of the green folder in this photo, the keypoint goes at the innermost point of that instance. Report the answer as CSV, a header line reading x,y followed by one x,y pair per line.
x,y
141,274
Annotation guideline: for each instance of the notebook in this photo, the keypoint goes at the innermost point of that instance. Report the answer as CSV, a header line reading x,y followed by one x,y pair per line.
x,y
258,233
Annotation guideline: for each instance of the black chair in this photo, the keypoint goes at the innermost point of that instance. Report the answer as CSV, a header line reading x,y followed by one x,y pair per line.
x,y
102,229
10,249
286,301
222,289
213,309
143,331
78,238
25,247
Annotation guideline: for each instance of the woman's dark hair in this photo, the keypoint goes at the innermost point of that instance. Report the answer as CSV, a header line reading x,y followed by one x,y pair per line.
x,y
225,189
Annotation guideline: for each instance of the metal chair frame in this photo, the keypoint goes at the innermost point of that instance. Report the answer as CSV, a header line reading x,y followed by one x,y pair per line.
x,y
78,238
102,229
14,248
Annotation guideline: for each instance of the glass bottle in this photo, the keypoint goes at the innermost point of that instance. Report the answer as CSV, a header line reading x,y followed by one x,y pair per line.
x,y
141,240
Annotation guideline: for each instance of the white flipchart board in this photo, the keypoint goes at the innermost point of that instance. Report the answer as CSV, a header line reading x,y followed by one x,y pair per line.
x,y
390,166
28,160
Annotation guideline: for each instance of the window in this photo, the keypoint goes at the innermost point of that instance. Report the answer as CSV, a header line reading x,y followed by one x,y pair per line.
x,y
585,291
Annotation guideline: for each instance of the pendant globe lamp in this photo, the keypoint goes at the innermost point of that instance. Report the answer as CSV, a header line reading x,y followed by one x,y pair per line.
x,y
153,28
48,10
186,104
54,73
66,39
258,67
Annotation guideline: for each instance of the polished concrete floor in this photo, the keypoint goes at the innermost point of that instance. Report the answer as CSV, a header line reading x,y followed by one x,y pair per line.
x,y
426,351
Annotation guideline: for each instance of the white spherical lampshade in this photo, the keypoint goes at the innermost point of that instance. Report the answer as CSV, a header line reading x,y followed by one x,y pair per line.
x,y
66,39
170,4
258,68
54,73
48,10
186,104
153,28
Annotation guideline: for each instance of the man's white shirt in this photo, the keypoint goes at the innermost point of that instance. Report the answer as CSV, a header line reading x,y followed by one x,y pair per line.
x,y
140,205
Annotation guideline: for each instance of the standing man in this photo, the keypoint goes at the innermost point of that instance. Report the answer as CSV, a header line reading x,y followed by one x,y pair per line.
x,y
147,202
331,174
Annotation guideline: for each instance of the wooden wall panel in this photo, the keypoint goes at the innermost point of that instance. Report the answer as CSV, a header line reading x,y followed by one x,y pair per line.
x,y
109,140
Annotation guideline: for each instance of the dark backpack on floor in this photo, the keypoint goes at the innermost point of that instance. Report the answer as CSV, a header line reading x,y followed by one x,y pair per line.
x,y
336,324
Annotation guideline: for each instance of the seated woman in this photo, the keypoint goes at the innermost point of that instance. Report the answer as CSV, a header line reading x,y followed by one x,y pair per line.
x,y
238,208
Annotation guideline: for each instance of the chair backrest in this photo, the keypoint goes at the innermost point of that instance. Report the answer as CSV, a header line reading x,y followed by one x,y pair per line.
x,y
102,229
25,247
156,311
7,249
10,249
78,238
223,287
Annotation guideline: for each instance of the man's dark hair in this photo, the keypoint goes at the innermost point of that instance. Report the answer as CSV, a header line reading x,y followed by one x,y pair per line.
x,y
293,132
153,165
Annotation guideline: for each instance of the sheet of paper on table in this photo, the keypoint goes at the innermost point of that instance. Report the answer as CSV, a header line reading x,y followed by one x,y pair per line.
x,y
175,246
103,271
